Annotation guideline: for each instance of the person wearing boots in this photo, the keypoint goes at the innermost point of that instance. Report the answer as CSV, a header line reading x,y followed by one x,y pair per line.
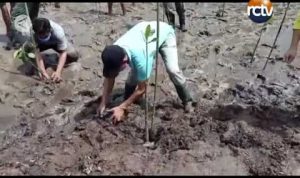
x,y
130,50
18,22
170,13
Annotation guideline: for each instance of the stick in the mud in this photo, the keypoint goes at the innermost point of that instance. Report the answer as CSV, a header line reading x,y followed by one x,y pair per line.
x,y
32,40
260,34
163,14
223,8
146,90
286,9
156,66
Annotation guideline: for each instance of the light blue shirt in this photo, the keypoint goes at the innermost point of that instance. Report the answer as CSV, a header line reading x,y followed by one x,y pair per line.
x,y
134,42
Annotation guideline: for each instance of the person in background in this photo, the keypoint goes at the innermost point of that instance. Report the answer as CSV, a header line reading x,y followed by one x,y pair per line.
x,y
57,5
170,13
110,8
50,35
5,16
290,55
18,22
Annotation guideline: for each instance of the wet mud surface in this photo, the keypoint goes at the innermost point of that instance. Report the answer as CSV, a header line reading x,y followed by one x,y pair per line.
x,y
247,121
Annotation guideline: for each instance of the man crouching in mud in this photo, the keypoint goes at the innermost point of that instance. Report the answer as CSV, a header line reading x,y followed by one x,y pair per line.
x,y
50,35
130,50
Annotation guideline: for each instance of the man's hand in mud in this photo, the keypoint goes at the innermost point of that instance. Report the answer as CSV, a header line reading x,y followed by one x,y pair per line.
x,y
44,76
118,114
56,76
290,55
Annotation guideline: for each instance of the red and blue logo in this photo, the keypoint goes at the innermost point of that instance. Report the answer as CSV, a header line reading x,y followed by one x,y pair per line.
x,y
260,11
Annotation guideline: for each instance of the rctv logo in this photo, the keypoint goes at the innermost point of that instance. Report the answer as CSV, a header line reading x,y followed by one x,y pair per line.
x,y
260,11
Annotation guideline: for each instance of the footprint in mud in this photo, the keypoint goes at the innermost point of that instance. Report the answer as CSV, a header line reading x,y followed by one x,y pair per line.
x,y
204,33
167,115
173,139
87,93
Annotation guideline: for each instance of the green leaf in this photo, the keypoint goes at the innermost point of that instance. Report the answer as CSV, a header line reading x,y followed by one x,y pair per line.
x,y
152,32
152,40
16,54
31,55
147,32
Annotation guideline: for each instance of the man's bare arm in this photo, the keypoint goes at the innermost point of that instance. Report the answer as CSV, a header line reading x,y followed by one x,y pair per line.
x,y
108,85
61,61
295,39
141,88
40,62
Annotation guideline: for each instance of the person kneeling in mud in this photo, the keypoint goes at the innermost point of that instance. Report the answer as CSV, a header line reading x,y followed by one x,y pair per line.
x,y
130,50
290,55
50,35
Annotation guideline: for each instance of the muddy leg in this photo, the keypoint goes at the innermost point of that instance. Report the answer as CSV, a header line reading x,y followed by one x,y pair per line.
x,y
170,15
109,4
72,54
123,8
180,11
34,11
169,55
57,5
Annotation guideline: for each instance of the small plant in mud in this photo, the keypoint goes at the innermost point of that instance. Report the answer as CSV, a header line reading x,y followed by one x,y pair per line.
x,y
27,54
148,32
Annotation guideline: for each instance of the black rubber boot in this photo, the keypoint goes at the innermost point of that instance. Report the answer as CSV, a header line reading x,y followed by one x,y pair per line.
x,y
182,22
181,14
183,28
185,97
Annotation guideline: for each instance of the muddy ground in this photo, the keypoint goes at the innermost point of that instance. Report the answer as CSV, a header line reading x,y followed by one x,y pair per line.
x,y
245,123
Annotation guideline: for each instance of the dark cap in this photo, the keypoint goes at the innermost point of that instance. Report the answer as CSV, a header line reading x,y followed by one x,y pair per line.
x,y
112,58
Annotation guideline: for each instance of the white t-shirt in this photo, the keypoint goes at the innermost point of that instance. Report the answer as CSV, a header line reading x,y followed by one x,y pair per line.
x,y
58,37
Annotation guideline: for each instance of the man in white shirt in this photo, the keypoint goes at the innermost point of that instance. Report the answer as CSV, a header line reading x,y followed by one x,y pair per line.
x,y
50,35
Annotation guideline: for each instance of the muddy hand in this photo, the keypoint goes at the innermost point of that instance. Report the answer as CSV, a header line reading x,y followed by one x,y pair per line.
x,y
117,114
56,77
290,55
44,76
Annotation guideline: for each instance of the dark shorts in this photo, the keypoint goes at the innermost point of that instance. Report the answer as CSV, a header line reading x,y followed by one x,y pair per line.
x,y
52,59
